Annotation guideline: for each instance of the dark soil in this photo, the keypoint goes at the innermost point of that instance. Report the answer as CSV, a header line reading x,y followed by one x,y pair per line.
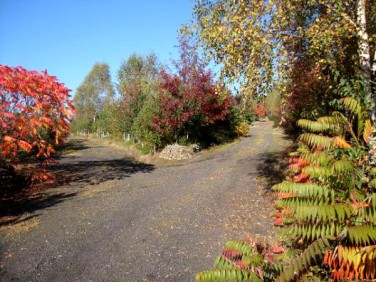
x,y
111,218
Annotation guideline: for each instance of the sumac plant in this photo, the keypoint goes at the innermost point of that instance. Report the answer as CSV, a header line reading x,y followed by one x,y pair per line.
x,y
35,113
328,205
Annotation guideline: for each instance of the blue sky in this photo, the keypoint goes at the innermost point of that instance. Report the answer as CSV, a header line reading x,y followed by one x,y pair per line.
x,y
66,37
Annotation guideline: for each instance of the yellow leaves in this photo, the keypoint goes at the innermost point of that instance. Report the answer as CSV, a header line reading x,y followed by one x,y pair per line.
x,y
25,146
368,130
8,139
350,263
339,142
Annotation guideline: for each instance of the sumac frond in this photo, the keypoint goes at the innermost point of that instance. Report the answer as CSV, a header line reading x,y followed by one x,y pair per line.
x,y
352,263
235,274
314,140
324,213
303,189
310,255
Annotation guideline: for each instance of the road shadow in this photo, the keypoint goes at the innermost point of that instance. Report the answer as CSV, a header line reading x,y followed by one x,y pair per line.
x,y
272,166
73,144
71,173
13,208
84,173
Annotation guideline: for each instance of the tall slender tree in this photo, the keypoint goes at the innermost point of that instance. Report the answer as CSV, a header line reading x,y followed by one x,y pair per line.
x,y
93,97
136,81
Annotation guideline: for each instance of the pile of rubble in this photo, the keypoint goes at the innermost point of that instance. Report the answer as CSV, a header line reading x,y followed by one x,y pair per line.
x,y
178,152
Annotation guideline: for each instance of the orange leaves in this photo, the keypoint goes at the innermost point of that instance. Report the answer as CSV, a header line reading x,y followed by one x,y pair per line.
x,y
8,139
368,130
24,146
341,143
42,176
278,221
297,163
301,177
33,106
285,195
352,263
260,111
277,250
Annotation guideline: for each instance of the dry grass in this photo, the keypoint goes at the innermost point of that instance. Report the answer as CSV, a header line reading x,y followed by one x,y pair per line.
x,y
18,224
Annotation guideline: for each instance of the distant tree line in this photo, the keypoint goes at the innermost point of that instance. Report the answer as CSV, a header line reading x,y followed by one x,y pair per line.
x,y
157,106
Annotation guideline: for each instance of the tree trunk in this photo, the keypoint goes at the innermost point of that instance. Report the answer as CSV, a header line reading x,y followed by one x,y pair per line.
x,y
364,52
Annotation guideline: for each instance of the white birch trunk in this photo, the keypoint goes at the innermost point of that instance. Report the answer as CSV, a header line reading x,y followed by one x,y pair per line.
x,y
363,43
364,50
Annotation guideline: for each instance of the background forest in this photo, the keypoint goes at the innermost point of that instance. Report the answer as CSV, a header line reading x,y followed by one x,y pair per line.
x,y
155,106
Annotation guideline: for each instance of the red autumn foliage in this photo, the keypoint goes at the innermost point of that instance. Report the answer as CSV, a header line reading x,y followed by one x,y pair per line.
x,y
277,250
297,163
35,112
301,177
241,265
260,111
279,220
232,254
194,99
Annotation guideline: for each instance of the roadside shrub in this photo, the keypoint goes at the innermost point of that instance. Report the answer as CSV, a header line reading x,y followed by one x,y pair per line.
x,y
35,113
326,206
330,196
260,111
242,129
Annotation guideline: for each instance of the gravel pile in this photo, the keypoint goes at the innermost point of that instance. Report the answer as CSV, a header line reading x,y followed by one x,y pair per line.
x,y
178,152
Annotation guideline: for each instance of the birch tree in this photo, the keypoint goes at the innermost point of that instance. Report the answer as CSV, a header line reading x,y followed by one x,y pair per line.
x,y
93,97
258,43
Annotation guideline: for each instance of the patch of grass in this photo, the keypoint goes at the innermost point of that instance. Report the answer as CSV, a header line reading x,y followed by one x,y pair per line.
x,y
18,224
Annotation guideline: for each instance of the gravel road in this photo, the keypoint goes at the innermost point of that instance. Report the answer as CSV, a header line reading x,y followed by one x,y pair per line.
x,y
113,219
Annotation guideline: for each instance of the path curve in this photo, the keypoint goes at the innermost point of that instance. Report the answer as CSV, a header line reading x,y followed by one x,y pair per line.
x,y
119,220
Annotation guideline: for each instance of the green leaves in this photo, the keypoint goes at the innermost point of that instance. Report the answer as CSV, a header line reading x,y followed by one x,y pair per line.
x,y
225,275
337,200
303,190
314,126
315,141
323,213
310,256
93,100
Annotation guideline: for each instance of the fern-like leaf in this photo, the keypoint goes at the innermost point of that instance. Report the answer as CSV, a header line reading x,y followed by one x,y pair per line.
x,y
352,105
314,140
311,254
342,167
303,189
313,126
368,130
352,263
361,235
226,275
309,232
318,171
239,246
341,143
324,213
318,158
290,201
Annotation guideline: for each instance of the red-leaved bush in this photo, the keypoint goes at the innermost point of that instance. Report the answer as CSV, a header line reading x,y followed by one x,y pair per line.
x,y
190,104
35,112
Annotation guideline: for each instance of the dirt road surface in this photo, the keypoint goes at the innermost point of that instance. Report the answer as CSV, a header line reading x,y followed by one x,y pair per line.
x,y
113,219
